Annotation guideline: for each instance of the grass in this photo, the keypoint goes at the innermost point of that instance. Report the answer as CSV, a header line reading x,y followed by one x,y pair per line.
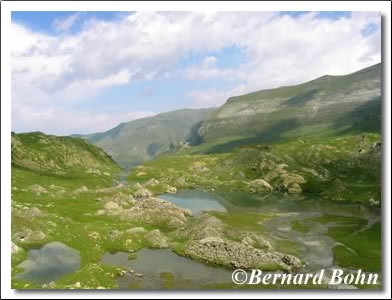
x,y
70,217
322,161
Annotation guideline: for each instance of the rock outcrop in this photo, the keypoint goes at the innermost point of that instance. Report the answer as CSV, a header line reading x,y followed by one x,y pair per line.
x,y
238,255
156,211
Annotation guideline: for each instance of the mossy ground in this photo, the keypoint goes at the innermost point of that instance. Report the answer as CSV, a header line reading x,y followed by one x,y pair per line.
x,y
343,174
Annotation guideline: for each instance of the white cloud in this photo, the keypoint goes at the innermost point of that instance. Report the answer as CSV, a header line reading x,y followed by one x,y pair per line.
x,y
288,51
60,120
65,24
52,71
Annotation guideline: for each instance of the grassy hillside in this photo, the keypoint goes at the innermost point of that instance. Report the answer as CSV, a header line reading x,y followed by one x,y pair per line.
x,y
58,156
328,105
137,141
347,168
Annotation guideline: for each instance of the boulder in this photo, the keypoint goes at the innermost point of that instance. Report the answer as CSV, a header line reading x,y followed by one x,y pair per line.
x,y
171,190
294,188
128,243
260,185
290,178
28,236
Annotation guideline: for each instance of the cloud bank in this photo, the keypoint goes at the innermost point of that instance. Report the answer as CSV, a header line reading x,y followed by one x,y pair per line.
x,y
52,73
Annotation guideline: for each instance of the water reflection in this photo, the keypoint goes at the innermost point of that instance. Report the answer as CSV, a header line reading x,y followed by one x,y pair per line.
x,y
49,263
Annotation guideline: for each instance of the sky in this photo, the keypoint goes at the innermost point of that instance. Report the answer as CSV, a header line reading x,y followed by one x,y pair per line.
x,y
85,72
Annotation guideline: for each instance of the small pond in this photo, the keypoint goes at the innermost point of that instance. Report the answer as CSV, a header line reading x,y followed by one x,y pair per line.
x,y
162,268
196,200
49,263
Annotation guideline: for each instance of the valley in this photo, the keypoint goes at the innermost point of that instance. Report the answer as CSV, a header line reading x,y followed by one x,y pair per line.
x,y
284,180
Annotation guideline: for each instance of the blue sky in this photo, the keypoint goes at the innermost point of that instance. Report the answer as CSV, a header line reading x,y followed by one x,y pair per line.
x,y
81,72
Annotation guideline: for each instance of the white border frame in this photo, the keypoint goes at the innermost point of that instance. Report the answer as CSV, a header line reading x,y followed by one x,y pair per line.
x,y
7,293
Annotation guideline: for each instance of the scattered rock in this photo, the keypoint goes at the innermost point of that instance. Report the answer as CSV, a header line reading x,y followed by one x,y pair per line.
x,y
180,182
100,212
32,212
77,285
113,234
171,190
310,171
94,235
121,272
373,202
82,189
111,205
376,148
152,182
93,171
36,188
137,186
203,226
136,230
156,211
255,240
15,248
142,194
123,199
157,239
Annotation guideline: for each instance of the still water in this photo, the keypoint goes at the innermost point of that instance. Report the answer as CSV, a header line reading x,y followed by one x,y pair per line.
x,y
163,268
49,263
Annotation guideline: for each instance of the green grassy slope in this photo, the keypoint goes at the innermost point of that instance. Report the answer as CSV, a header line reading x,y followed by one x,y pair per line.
x,y
324,106
46,156
347,168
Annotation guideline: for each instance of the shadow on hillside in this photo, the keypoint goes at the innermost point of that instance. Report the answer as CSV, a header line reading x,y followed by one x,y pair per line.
x,y
301,100
270,134
194,137
365,118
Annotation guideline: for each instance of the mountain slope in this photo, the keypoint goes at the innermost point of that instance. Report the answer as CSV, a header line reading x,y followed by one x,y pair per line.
x,y
136,141
59,156
327,104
